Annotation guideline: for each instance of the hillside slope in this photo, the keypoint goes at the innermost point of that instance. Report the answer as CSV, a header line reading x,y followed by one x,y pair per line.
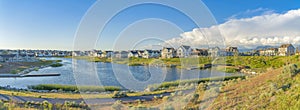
x,y
271,90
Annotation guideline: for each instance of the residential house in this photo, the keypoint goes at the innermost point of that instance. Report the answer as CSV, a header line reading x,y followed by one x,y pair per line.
x,y
286,50
121,54
74,53
107,54
8,58
231,51
141,52
184,51
199,52
168,52
297,51
151,54
269,52
133,53
214,52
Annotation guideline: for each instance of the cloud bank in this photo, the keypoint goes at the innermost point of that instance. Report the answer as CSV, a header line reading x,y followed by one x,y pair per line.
x,y
267,29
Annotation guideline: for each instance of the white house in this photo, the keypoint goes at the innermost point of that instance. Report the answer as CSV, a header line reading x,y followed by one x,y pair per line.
x,y
151,54
168,53
184,51
215,51
286,50
121,54
133,54
107,54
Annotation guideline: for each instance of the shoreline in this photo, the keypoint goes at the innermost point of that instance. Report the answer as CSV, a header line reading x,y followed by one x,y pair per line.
x,y
23,68
169,63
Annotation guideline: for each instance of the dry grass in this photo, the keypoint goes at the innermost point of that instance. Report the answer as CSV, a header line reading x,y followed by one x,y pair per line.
x,y
246,92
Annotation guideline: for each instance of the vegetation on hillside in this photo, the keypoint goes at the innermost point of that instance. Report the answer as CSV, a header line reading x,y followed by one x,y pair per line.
x,y
276,89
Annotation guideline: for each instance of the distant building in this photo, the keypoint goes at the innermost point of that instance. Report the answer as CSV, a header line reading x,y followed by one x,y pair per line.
x,y
231,51
286,50
168,53
184,51
269,52
133,53
8,58
199,52
297,51
214,52
121,54
141,53
151,54
107,54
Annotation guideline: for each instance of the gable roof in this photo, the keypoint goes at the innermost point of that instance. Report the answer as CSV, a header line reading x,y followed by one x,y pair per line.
x,y
133,52
185,47
285,45
169,48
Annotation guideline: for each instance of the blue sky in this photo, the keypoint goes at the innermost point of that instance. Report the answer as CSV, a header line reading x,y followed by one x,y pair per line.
x,y
52,24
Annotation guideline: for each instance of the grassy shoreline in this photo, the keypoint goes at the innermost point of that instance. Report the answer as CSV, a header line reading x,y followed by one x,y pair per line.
x,y
72,88
19,67
233,64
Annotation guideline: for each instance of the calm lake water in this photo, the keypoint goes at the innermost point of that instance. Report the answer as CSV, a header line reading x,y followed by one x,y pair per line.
x,y
107,74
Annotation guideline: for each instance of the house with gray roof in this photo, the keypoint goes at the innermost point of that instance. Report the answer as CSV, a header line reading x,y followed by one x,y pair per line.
x,y
286,50
184,51
167,52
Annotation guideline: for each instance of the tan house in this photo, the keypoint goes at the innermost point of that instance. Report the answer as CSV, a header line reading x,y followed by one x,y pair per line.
x,y
231,51
286,50
269,52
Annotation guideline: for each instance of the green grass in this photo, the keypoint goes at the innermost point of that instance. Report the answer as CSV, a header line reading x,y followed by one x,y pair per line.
x,y
202,80
56,65
74,88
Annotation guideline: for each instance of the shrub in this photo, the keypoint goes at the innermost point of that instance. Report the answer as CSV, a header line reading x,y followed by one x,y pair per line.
x,y
118,94
168,107
166,98
195,98
117,105
56,65
290,70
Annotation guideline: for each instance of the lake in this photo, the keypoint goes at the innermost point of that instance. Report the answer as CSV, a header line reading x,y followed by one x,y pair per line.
x,y
107,74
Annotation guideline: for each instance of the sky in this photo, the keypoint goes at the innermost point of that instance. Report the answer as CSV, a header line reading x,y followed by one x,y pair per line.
x,y
52,24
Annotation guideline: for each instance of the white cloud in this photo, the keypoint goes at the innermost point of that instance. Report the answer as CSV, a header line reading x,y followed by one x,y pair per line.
x,y
269,29
255,12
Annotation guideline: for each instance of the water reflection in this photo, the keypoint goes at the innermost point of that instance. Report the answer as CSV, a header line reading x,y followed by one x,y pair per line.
x,y
109,75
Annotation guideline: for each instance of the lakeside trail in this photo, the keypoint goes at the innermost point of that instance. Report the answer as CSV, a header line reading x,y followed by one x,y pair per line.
x,y
96,101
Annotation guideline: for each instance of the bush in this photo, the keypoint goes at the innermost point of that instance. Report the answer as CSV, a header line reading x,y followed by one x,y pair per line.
x,y
56,65
290,70
118,94
168,107
117,105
